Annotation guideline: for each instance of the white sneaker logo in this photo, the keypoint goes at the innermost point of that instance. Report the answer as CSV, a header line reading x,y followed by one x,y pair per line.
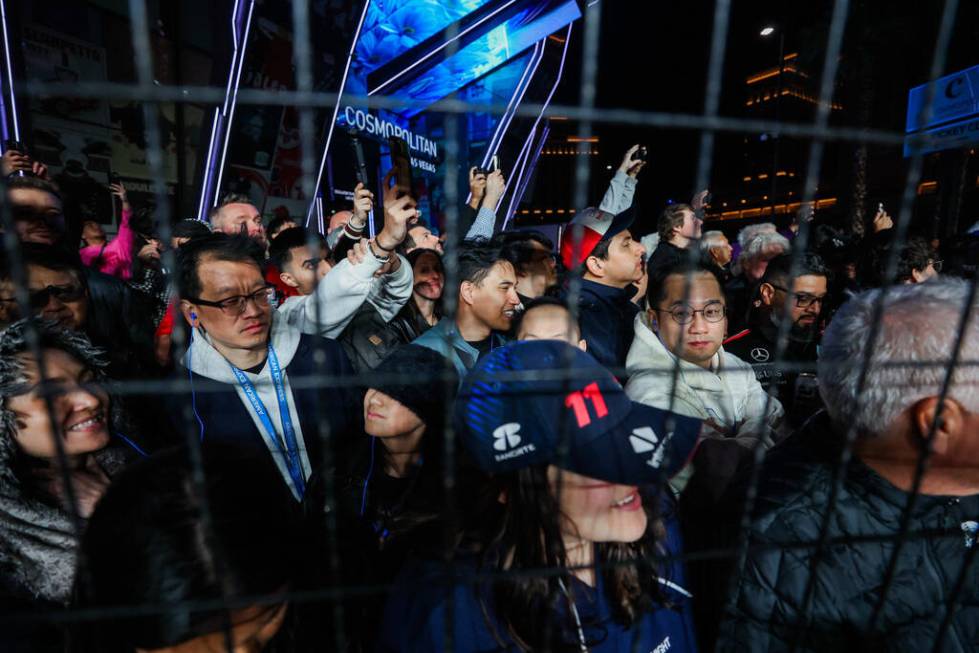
x,y
506,436
644,440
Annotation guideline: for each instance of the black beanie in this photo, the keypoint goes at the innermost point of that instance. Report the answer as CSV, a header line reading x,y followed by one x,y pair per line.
x,y
425,391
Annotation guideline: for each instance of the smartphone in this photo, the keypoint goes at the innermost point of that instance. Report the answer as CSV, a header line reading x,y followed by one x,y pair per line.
x,y
358,150
641,154
21,148
114,178
401,160
880,207
16,146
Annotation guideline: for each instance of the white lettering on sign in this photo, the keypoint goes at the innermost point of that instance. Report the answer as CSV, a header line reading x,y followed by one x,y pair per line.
x,y
371,124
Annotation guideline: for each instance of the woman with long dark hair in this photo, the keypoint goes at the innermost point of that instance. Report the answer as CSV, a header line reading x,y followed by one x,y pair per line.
x,y
566,546
58,426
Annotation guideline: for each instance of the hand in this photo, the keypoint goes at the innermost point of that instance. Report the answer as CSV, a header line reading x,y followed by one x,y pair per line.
x,y
363,203
882,221
358,252
40,170
629,166
13,161
397,214
698,201
495,187
477,184
641,286
120,191
391,266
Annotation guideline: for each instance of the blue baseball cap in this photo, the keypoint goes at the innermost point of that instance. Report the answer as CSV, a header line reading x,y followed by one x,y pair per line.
x,y
546,402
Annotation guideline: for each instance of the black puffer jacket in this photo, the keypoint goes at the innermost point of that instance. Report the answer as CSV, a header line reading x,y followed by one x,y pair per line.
x,y
793,498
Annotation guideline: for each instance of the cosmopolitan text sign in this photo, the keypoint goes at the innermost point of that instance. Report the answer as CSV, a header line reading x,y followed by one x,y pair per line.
x,y
368,123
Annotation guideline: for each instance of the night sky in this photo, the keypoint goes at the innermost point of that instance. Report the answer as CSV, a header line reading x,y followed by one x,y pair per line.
x,y
654,56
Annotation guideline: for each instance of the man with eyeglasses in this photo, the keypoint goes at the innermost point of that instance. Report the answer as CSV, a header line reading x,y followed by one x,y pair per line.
x,y
257,351
676,361
797,295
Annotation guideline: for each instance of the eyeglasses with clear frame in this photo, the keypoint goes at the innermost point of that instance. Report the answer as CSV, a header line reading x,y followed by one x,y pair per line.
x,y
712,312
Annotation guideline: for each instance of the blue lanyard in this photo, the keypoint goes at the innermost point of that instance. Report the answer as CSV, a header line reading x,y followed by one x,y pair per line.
x,y
291,450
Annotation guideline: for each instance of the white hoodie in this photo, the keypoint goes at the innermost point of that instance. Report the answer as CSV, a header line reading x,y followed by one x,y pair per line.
x,y
340,294
727,395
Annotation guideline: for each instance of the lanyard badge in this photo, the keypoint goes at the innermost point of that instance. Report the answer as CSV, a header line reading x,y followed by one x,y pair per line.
x,y
290,449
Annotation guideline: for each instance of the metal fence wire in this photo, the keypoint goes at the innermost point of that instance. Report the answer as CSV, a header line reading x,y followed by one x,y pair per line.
x,y
334,599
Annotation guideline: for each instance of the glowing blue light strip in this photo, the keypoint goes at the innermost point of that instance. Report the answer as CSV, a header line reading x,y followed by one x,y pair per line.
x,y
222,113
10,74
509,119
444,45
511,109
533,130
336,109
234,101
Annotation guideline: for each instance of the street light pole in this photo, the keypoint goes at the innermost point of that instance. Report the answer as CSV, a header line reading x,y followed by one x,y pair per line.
x,y
765,32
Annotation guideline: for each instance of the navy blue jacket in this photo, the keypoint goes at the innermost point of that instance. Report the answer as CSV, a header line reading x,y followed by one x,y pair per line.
x,y
226,420
606,316
414,618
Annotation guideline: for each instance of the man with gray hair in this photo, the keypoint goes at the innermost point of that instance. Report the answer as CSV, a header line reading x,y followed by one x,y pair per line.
x,y
716,250
913,421
749,269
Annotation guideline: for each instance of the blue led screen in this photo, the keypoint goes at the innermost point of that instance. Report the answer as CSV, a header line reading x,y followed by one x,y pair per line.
x,y
391,27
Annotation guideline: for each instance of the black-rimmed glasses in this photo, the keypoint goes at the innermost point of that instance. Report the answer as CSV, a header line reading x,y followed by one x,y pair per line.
x,y
235,305
802,299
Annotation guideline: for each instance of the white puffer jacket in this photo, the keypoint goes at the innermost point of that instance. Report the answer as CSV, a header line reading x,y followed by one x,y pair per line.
x,y
727,396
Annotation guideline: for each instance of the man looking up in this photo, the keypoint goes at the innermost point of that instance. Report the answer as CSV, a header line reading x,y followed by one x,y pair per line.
x,y
421,237
682,330
533,258
679,228
235,214
487,304
900,412
806,294
300,265
599,248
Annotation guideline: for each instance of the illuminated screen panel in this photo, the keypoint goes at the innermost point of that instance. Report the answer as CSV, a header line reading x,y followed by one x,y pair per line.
x,y
392,27
419,86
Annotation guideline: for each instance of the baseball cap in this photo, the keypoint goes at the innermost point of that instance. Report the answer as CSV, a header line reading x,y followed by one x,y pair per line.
x,y
596,225
524,402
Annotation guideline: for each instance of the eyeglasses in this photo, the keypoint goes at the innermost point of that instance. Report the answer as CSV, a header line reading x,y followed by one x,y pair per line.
x,y
937,265
714,312
802,299
235,305
40,298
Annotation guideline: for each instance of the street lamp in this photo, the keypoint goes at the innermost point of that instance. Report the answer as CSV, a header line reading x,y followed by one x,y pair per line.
x,y
765,32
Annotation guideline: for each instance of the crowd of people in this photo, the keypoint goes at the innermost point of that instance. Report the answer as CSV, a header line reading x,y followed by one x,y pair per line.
x,y
284,440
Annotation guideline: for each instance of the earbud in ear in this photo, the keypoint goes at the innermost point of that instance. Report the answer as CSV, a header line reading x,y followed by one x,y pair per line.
x,y
193,315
